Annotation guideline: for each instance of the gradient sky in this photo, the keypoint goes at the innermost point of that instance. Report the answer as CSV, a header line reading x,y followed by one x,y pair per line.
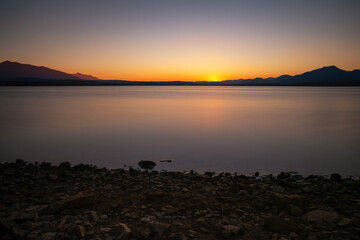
x,y
181,40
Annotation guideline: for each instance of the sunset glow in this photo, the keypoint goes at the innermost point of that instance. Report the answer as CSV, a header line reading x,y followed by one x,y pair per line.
x,y
181,40
179,119
214,78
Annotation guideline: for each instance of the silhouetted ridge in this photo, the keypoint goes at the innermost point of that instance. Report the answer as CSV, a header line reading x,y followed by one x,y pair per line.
x,y
332,67
85,76
329,75
13,70
17,74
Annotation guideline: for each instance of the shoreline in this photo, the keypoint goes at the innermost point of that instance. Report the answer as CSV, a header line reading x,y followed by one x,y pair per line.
x,y
42,201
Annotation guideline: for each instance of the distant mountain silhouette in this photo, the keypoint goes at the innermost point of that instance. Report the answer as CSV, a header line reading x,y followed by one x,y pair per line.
x,y
17,71
17,74
330,75
13,70
85,77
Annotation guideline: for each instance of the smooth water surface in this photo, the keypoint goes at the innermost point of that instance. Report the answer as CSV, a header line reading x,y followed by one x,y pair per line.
x,y
305,129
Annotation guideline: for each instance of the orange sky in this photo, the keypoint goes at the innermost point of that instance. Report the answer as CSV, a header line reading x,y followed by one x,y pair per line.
x,y
185,40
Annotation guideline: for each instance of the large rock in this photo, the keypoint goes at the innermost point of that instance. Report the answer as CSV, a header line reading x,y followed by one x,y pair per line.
x,y
278,225
122,230
65,165
231,230
335,177
62,223
277,189
82,200
345,222
147,165
20,161
322,216
294,210
94,216
81,231
159,229
281,200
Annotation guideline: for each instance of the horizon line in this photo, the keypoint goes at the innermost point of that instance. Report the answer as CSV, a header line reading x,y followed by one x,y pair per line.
x,y
178,80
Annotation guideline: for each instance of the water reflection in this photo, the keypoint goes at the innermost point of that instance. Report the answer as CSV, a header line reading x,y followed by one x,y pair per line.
x,y
308,129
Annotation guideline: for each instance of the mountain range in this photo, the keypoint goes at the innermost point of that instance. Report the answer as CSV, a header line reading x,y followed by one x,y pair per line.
x,y
17,74
85,76
17,71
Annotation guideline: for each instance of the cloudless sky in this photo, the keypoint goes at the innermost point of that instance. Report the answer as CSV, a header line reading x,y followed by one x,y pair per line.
x,y
181,40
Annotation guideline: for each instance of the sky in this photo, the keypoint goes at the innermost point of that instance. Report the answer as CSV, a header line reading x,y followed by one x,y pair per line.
x,y
181,40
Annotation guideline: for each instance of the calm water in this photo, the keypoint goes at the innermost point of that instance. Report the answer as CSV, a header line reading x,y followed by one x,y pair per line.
x,y
305,129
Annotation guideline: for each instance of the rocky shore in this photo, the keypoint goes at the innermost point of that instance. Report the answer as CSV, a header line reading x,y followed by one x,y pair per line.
x,y
41,201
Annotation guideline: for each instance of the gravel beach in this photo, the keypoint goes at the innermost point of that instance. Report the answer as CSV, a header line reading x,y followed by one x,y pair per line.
x,y
42,201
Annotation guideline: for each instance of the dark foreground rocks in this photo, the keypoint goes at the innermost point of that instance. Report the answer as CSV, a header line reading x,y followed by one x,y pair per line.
x,y
86,202
147,165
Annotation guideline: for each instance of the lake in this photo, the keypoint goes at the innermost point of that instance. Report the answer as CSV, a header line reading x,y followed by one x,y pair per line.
x,y
237,129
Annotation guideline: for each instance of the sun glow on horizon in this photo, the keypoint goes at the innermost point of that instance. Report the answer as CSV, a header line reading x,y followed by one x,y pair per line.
x,y
214,78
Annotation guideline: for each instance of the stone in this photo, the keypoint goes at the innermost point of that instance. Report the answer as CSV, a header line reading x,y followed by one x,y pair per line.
x,y
36,208
65,165
81,231
275,236
105,229
69,228
294,210
294,236
53,177
275,224
193,232
81,200
345,222
20,233
258,203
28,226
45,165
231,230
166,160
185,189
6,225
282,199
209,174
94,216
147,165
25,217
335,177
278,189
311,237
159,229
125,233
145,219
20,161
49,235
322,216
62,223
146,233
34,234
283,175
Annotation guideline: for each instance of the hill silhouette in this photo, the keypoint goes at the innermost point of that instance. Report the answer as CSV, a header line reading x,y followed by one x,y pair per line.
x,y
85,76
17,74
330,75
13,70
